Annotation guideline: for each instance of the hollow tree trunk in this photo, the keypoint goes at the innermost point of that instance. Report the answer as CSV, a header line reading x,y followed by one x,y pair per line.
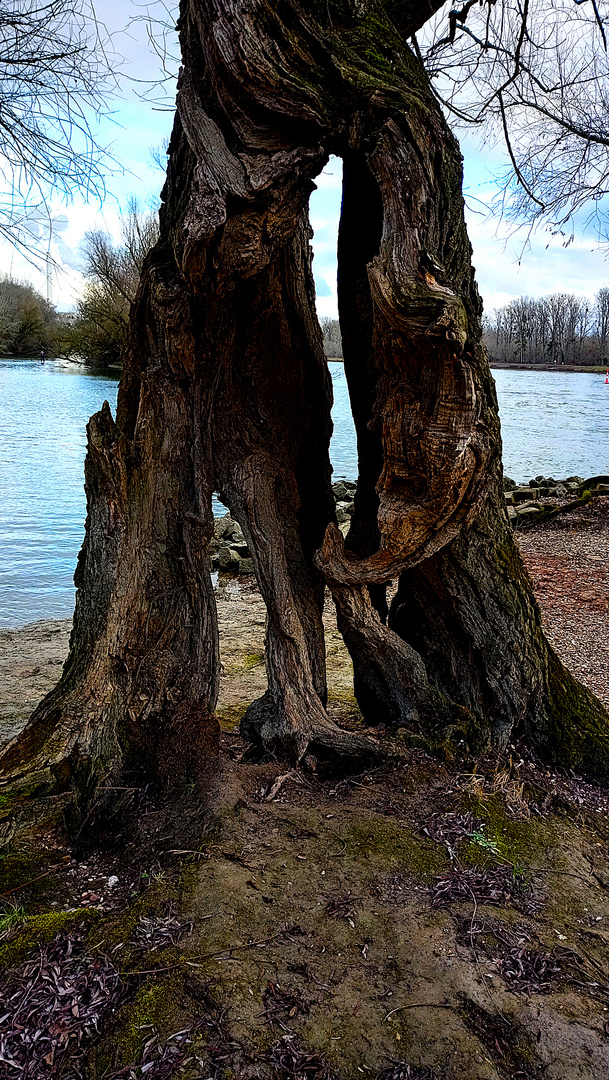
x,y
463,659
225,388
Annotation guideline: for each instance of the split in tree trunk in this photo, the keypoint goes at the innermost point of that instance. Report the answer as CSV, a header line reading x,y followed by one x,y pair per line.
x,y
225,387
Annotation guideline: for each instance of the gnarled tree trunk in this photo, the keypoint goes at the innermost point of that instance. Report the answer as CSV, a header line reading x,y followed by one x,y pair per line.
x,y
225,388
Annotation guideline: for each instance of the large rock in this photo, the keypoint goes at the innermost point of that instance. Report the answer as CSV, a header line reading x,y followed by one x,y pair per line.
x,y
229,560
344,490
344,512
596,482
527,513
229,530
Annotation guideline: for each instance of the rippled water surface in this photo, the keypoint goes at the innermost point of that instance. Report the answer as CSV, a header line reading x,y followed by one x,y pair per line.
x,y
556,424
43,413
552,423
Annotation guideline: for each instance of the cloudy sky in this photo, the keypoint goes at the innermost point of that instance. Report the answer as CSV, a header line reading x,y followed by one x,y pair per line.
x,y
507,266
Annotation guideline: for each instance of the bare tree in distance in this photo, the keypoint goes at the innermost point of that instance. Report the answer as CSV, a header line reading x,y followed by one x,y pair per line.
x,y
27,320
55,78
602,322
333,345
535,74
113,271
557,329
119,267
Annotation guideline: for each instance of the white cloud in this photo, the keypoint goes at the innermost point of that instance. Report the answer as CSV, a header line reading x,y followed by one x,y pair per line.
x,y
511,264
505,271
324,211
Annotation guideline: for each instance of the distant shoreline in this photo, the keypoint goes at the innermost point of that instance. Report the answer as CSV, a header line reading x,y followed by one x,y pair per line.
x,y
115,369
589,370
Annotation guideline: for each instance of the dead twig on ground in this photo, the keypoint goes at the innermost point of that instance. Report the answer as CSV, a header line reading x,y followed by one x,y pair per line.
x,y
402,1070
281,1004
158,931
498,886
52,1004
420,1005
343,907
290,1063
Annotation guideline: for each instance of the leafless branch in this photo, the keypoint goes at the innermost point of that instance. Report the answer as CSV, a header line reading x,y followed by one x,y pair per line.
x,y
533,73
56,75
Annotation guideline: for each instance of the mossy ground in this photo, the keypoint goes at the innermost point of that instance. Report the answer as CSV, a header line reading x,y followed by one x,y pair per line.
x,y
259,880
35,930
262,882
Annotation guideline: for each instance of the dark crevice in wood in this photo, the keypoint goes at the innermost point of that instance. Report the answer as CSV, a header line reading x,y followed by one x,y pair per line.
x,y
359,239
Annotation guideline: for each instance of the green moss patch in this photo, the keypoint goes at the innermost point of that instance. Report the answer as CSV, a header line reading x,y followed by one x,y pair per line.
x,y
18,869
502,838
154,1007
229,716
38,930
387,846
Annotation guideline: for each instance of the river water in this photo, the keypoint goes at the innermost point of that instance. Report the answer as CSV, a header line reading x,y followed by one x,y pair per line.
x,y
555,424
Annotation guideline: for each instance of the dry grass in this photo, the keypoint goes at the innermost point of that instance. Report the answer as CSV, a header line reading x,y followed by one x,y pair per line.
x,y
500,781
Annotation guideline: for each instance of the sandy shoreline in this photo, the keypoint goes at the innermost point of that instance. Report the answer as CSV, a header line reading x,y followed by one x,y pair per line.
x,y
31,657
568,561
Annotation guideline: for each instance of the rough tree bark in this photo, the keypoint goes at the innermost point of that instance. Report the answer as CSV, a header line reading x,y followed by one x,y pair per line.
x,y
225,388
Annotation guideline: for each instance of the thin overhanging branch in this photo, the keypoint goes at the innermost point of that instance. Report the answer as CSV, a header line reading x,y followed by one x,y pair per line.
x,y
599,21
508,143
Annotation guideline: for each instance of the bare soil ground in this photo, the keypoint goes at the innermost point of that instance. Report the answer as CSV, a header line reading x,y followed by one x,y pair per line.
x,y
419,920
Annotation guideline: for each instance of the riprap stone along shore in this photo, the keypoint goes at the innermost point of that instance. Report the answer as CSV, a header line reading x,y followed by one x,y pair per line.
x,y
542,498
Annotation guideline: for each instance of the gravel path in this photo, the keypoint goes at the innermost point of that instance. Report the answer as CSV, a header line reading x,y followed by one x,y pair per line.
x,y
568,561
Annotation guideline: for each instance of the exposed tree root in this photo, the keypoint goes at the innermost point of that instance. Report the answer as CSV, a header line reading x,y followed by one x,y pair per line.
x,y
290,731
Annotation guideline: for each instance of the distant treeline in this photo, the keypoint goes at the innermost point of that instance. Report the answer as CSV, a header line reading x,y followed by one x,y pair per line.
x,y
99,332
96,333
557,329
28,323
332,340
